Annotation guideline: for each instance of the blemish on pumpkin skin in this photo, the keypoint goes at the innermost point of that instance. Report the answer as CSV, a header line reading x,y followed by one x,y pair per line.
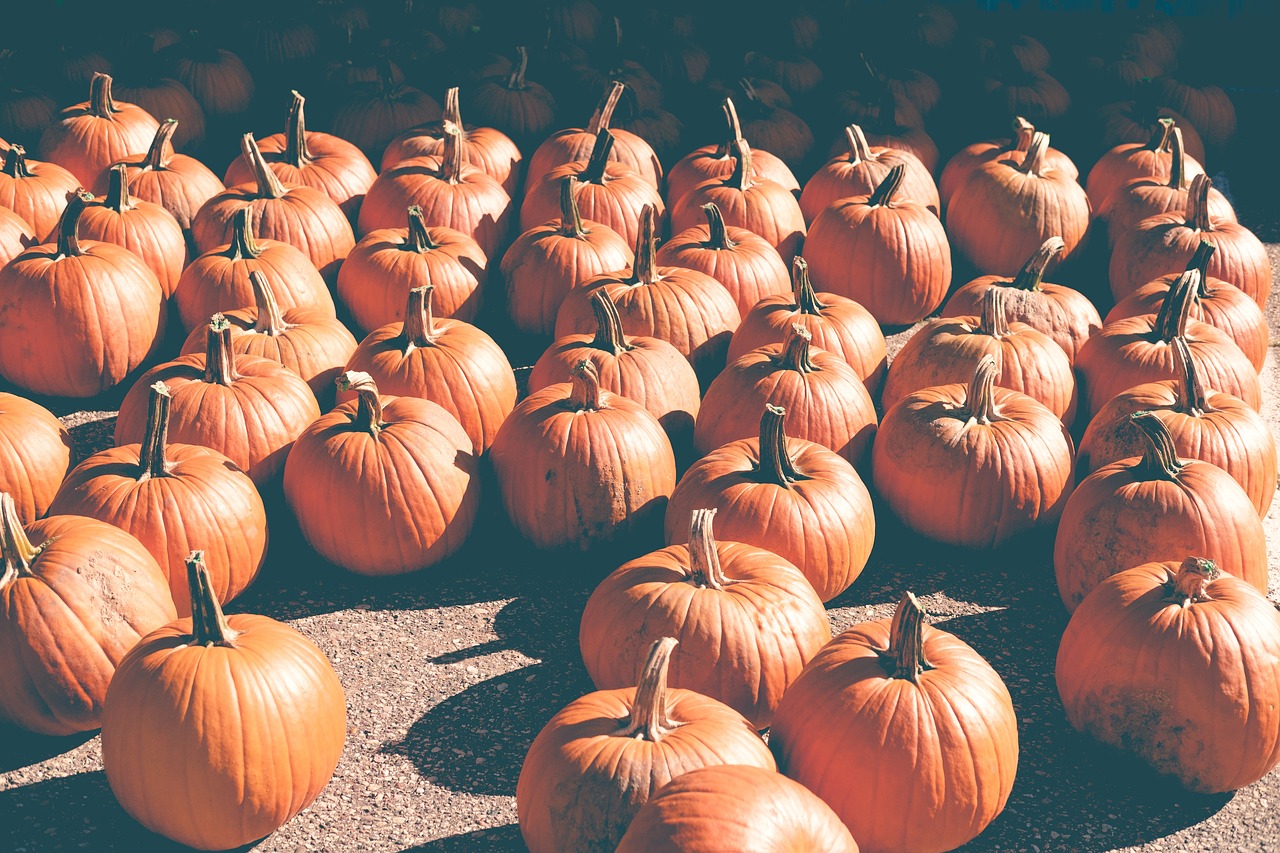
x,y
1135,721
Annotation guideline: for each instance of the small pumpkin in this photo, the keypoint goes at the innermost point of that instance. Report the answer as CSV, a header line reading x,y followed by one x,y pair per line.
x,y
146,229
218,78
1208,107
164,96
178,183
35,191
519,107
371,114
1133,121
85,139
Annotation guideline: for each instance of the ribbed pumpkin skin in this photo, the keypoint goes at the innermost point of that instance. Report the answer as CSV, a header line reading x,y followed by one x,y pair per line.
x,y
388,505
616,203
16,235
165,98
86,143
870,744
35,455
969,159
744,809
178,183
844,176
36,191
145,229
1129,162
252,759
716,162
741,644
1177,684
489,150
574,145
95,592
765,208
1064,315
751,270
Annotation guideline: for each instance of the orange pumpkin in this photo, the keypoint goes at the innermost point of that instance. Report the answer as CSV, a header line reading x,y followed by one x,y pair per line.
x,y
1134,160
576,144
16,235
712,162
36,191
146,229
860,170
85,139
35,455
178,183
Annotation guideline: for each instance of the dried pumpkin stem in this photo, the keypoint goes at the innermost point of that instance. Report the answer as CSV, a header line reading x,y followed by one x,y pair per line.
x,y
802,288
594,172
1171,320
208,624
725,148
859,148
151,458
884,193
419,323
1200,261
1194,398
796,353
1031,276
740,178
718,232
649,720
776,465
1023,133
368,416
162,146
1177,165
906,640
1033,161
1159,458
117,198
243,244
570,217
18,550
100,101
980,400
1191,583
585,396
295,134
603,114
451,161
995,318
705,571
69,224
419,238
270,320
219,358
269,185
1161,136
610,336
516,80
15,162
644,270
1197,214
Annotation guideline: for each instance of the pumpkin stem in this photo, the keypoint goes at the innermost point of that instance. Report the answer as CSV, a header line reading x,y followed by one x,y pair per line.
x,y
18,550
1023,133
1191,583
705,571
452,107
1195,399
1033,160
1200,261
151,459
570,216
419,323
1159,458
69,224
610,336
994,320
980,399
776,465
15,162
1160,136
603,114
594,172
740,178
295,134
100,101
270,319
1171,321
906,640
735,129
516,80
419,238
368,416
208,624
1177,166
451,161
1031,276
219,359
802,288
718,238
648,719
1197,215
162,145
645,268
243,245
884,193
586,393
859,148
269,185
118,189
796,353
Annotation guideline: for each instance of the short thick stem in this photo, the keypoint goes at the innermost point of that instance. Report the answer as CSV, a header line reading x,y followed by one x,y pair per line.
x,y
1159,458
69,225
981,397
594,171
645,268
368,416
219,358
270,320
15,162
295,134
151,458
419,238
906,640
100,101
649,719
162,145
1171,320
208,624
19,553
1191,583
603,114
704,560
1197,214
269,185
419,323
994,320
718,232
884,193
1031,276
118,189
802,288
243,244
1194,399
610,336
796,354
586,393
570,217
776,465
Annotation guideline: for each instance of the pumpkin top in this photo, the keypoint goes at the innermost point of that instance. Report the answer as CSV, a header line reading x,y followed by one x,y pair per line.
x,y
585,396
1160,457
980,400
295,133
419,328
649,719
101,103
161,149
705,571
603,113
734,127
270,320
219,357
1191,583
1033,162
368,415
1161,135
595,170
69,225
451,159
610,336
571,223
645,268
995,319
208,624
151,458
1197,213
802,288
419,239
718,232
269,185
243,245
117,197
1200,261
1193,399
776,466
905,656
516,81
796,352
19,553
884,192
740,177
15,162
1171,321
1031,276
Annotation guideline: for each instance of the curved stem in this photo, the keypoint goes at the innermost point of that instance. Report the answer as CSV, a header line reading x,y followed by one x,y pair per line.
x,y
1159,458
151,458
1200,261
776,465
100,101
419,323
594,172
418,239
516,80
1197,214
994,320
208,624
859,148
117,198
18,550
1177,166
15,162
645,268
603,114
704,560
451,160
585,395
796,353
1033,160
740,178
906,640
269,185
1194,398
368,416
884,193
69,224
735,129
219,358
243,244
648,719
295,134
802,288
980,399
570,217
270,319
162,145
1160,136
718,238
610,336
1031,276
1191,583
1023,133
1171,321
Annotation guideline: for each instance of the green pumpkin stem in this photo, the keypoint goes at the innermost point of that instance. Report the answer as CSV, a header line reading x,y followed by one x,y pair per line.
x,y
648,719
980,399
151,458
1159,458
1161,136
1033,161
570,216
117,197
906,640
419,323
161,146
802,288
725,148
219,358
859,148
208,624
1177,165
796,353
1031,276
1194,399
15,162
100,101
705,571
451,159
1171,320
594,171
995,318
610,336
69,225
585,396
295,134
516,80
269,185
418,239
1197,214
718,232
1191,583
740,177
776,465
884,193
270,319
644,270
243,244
368,415
603,115
19,553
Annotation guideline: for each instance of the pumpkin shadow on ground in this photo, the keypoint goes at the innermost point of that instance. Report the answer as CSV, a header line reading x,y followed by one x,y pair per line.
x,y
505,837
20,748
1070,792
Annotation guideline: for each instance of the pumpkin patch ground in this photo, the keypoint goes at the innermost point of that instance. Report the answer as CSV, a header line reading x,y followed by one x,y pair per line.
x,y
450,672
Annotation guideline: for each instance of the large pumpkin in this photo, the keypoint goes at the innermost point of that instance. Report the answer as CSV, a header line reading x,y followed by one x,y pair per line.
x,y
898,712
88,137
1136,160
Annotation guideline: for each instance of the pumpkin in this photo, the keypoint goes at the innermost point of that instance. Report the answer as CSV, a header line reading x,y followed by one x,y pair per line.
x,y
217,78
449,362
1064,315
1207,107
1153,663
896,709
795,498
450,193
77,318
746,619
1165,243
399,482
581,467
829,405
576,144
647,370
76,594
891,122
24,111
518,107
838,325
372,114
1135,350
796,73
888,254
1130,161
35,191
1151,507
179,699
291,213
601,757
16,235
164,96
686,308
718,161
745,809
87,138
1218,303
386,264
322,161
608,192
860,171
1007,453
1035,94
745,201
741,260
248,408
775,129
178,183
146,229
35,455
218,280
486,148
308,341
1007,208
169,496
1207,425
968,159
1134,121
1025,52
